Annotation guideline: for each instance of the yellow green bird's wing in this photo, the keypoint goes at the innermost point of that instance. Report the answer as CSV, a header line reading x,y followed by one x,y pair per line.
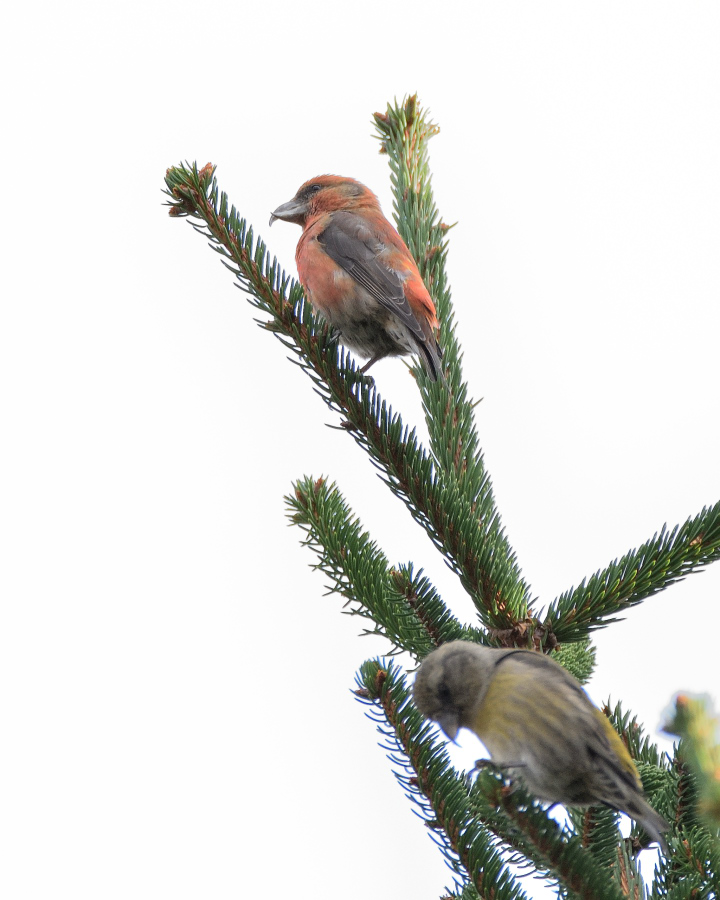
x,y
535,716
618,749
534,719
537,720
621,786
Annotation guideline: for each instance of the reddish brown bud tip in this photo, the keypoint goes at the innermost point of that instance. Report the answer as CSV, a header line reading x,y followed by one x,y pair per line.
x,y
410,109
206,173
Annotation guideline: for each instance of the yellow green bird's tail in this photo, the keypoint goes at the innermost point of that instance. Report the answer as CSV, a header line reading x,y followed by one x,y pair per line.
x,y
639,809
628,786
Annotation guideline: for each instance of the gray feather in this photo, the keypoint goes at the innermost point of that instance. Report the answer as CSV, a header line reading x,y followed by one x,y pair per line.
x,y
355,248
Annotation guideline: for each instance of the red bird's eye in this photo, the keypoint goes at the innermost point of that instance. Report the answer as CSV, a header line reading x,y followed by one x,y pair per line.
x,y
306,192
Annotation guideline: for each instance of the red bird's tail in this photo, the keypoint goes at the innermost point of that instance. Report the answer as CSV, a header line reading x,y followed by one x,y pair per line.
x,y
431,357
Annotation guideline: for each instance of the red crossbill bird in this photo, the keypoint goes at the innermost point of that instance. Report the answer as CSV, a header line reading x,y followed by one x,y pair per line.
x,y
358,273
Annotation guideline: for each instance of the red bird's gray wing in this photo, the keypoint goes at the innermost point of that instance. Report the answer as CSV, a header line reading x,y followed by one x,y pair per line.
x,y
352,244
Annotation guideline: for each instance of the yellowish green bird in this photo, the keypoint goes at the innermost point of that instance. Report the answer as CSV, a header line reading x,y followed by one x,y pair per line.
x,y
537,721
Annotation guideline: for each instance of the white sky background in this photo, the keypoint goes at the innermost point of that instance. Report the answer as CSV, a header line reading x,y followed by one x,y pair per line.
x,y
175,703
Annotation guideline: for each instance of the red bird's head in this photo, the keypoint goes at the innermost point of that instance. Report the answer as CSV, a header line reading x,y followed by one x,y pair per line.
x,y
324,194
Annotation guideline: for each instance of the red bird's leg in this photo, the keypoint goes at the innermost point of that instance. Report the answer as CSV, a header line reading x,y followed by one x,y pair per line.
x,y
371,362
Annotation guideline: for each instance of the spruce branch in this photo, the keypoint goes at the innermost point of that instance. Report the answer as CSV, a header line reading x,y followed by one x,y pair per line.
x,y
688,889
473,549
404,131
633,735
563,857
625,870
577,658
685,819
463,819
699,729
484,827
424,772
404,606
597,828
696,862
467,892
666,558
